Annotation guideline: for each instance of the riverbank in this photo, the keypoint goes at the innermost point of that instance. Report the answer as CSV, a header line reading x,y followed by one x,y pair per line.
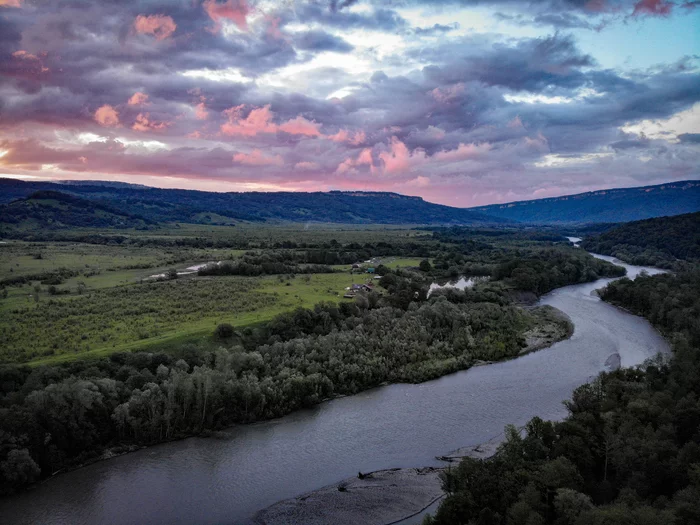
x,y
378,498
553,326
384,497
547,326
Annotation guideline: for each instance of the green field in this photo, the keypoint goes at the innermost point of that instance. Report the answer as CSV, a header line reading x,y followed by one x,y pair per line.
x,y
106,301
148,315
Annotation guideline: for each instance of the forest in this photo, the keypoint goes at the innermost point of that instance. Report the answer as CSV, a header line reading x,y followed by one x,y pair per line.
x,y
55,416
665,242
627,453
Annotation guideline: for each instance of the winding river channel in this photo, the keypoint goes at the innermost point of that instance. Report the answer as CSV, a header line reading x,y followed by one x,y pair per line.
x,y
226,479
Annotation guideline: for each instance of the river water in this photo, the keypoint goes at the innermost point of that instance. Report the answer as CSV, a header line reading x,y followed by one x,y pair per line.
x,y
225,480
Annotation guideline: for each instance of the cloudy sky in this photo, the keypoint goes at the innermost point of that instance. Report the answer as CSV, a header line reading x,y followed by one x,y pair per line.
x,y
463,102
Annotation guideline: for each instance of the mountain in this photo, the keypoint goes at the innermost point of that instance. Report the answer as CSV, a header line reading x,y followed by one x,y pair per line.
x,y
658,242
105,183
54,210
167,205
612,205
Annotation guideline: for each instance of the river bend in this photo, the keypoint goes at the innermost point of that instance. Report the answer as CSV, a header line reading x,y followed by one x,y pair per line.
x,y
225,480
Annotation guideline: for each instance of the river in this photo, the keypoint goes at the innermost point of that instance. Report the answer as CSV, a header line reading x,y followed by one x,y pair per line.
x,y
226,479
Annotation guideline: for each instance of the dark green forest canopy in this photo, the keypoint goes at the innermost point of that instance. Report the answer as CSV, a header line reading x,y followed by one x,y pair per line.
x,y
664,241
627,453
56,210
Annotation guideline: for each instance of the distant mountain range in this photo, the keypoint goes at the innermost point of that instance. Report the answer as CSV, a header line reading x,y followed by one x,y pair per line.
x,y
612,205
141,204
166,205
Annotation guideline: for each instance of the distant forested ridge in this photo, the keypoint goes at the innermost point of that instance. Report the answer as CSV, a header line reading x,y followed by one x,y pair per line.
x,y
610,205
168,205
47,209
657,242
628,453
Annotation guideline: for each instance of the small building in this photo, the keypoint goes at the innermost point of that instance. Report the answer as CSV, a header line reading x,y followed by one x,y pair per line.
x,y
370,270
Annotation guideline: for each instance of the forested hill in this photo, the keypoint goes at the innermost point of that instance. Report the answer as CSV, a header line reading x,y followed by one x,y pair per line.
x,y
168,205
611,205
659,242
55,210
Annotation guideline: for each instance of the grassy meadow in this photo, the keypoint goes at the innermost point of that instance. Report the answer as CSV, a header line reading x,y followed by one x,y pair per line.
x,y
107,300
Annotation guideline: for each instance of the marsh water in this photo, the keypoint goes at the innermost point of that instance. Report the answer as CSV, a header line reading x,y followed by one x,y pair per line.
x,y
226,479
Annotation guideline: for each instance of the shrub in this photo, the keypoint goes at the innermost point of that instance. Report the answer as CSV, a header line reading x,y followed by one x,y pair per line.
x,y
224,331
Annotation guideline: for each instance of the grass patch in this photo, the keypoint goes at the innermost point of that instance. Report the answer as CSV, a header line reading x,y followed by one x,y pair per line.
x,y
152,316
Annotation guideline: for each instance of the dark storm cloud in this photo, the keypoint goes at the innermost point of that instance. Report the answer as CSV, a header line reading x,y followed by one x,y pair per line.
x,y
532,64
689,138
435,29
632,143
379,19
321,41
335,5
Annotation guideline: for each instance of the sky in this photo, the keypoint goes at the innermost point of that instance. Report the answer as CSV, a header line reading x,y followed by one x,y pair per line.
x,y
461,102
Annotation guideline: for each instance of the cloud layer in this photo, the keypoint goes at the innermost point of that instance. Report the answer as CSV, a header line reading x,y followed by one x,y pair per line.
x,y
464,102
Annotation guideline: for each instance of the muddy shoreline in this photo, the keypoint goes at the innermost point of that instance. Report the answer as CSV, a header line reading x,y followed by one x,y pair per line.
x,y
383,497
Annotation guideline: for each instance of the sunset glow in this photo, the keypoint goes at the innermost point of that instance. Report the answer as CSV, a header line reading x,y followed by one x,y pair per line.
x,y
461,102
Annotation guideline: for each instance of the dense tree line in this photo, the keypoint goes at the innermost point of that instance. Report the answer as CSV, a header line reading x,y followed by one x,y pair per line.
x,y
53,416
264,267
551,268
627,453
661,242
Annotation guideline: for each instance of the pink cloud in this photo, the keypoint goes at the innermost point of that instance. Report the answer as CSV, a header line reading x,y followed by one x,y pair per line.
x,y
365,157
273,28
341,136
144,123
258,158
344,135
538,143
235,11
31,64
107,116
305,166
301,126
447,94
138,99
24,55
200,111
159,26
398,159
419,182
11,3
349,164
652,8
463,152
516,123
259,120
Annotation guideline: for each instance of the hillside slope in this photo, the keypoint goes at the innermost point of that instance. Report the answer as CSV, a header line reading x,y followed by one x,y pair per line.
x,y
658,242
55,210
612,205
211,208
